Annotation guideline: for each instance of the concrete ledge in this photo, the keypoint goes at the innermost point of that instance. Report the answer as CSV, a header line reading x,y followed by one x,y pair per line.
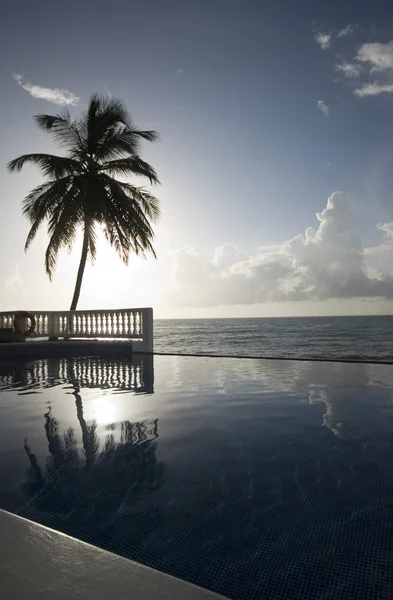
x,y
37,562
30,350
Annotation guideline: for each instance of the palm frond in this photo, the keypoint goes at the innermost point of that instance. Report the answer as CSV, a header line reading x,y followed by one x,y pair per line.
x,y
130,212
64,130
103,115
116,229
133,165
41,202
117,239
29,203
131,219
63,224
149,136
92,240
63,234
49,164
123,141
148,203
112,111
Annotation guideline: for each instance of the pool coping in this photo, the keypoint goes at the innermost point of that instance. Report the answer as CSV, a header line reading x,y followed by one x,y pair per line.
x,y
37,562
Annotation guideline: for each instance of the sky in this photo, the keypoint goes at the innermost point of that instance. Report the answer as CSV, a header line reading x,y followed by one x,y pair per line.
x,y
275,153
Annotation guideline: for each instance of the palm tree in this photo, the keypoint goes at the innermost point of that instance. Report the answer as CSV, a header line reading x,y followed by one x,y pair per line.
x,y
81,190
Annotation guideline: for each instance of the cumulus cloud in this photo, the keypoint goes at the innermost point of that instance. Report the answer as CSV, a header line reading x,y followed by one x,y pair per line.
x,y
382,254
387,228
323,107
323,263
374,89
378,56
378,59
349,70
323,40
55,95
372,64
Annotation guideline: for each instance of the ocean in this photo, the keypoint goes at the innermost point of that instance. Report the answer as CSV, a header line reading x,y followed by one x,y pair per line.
x,y
356,338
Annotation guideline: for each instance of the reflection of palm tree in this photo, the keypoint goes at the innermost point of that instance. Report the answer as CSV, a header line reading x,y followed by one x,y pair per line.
x,y
63,449
89,436
84,495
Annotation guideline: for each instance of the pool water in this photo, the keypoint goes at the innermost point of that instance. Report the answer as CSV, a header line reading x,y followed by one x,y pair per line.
x,y
252,478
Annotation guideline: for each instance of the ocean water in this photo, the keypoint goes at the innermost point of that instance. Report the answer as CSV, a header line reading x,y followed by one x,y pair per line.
x,y
364,338
255,479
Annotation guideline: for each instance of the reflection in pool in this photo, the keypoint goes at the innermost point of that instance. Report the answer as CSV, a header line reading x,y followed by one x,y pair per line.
x,y
256,479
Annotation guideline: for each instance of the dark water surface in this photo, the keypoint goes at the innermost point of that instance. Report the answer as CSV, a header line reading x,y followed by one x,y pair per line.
x,y
256,479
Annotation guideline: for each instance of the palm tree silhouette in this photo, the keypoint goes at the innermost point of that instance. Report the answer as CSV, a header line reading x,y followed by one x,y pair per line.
x,y
81,191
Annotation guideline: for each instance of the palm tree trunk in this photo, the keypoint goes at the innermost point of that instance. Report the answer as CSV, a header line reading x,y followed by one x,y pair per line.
x,y
82,264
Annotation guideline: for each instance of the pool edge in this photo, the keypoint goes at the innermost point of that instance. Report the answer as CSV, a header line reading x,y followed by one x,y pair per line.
x,y
36,560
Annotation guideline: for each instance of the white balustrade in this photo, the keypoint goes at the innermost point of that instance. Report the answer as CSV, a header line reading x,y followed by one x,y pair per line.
x,y
134,324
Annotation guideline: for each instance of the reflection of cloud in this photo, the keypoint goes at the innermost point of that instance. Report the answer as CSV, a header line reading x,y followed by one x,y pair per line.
x,y
354,395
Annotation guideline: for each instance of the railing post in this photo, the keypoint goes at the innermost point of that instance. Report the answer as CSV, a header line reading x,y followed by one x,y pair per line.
x,y
53,327
69,328
147,316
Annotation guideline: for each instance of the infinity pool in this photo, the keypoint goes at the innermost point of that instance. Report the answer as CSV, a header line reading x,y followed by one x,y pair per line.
x,y
255,479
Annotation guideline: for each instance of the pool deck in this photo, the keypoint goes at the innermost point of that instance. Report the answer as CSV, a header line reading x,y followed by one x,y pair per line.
x,y
37,562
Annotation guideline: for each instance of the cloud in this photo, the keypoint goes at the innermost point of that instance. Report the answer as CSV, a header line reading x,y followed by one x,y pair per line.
x,y
323,40
371,58
387,228
10,282
379,56
55,95
374,89
349,70
323,263
383,252
180,71
347,31
323,107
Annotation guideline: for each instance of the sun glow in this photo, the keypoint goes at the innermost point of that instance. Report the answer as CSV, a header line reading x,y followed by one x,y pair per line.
x,y
104,411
